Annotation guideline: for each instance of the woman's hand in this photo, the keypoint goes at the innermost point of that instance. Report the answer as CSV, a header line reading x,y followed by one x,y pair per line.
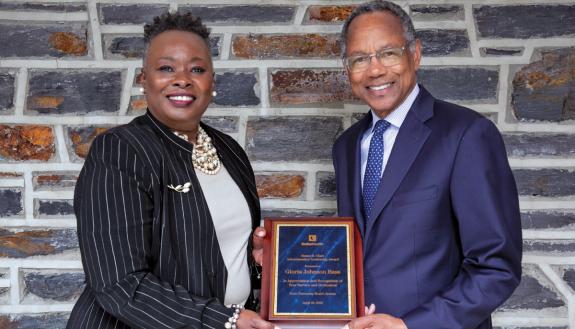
x,y
251,320
258,244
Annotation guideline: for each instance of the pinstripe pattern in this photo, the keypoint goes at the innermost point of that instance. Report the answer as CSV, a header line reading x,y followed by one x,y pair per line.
x,y
150,254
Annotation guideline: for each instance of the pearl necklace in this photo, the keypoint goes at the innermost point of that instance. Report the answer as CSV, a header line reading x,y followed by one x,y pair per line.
x,y
204,155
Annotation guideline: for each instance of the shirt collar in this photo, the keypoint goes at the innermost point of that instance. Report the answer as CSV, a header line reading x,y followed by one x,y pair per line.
x,y
396,117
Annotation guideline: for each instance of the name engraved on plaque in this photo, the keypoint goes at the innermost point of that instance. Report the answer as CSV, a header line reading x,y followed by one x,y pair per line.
x,y
312,270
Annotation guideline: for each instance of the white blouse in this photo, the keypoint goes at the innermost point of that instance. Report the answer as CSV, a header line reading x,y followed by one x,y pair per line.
x,y
232,221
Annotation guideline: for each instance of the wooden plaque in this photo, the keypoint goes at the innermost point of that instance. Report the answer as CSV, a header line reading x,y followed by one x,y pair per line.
x,y
312,272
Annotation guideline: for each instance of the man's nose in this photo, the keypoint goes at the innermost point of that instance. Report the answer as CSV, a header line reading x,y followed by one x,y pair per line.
x,y
375,67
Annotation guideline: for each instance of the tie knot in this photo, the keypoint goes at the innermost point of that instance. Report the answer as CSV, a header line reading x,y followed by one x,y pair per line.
x,y
380,127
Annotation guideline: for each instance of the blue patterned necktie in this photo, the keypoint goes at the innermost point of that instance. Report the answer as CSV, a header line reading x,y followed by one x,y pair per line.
x,y
372,174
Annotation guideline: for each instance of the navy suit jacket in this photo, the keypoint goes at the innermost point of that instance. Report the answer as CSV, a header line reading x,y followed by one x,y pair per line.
x,y
443,248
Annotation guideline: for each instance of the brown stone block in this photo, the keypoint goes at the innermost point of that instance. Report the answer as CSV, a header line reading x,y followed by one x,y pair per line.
x,y
280,185
36,243
48,102
310,86
310,45
54,180
69,43
10,174
336,14
138,104
82,137
26,142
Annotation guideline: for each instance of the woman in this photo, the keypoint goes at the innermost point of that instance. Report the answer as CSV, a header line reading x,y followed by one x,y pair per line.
x,y
166,204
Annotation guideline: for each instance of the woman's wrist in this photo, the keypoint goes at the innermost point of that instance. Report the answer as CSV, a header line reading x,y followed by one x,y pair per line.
x,y
231,324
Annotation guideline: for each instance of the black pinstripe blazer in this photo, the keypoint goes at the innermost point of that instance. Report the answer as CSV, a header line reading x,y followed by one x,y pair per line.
x,y
151,254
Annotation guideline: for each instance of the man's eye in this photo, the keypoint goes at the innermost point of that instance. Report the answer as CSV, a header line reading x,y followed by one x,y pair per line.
x,y
389,53
359,59
198,69
166,68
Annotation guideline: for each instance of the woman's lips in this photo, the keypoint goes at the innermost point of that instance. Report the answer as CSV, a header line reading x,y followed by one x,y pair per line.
x,y
181,100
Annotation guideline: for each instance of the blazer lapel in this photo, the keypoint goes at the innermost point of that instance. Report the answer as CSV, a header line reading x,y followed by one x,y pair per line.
x,y
411,137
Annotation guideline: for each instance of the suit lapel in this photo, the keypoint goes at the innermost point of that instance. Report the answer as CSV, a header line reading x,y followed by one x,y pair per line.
x,y
354,169
411,137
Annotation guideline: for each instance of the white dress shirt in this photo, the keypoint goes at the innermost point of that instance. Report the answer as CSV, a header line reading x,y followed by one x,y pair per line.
x,y
395,118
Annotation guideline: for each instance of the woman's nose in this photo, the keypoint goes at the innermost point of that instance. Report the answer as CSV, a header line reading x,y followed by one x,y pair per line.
x,y
182,80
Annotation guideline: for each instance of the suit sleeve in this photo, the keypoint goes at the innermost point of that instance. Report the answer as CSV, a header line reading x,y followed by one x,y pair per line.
x,y
114,210
486,208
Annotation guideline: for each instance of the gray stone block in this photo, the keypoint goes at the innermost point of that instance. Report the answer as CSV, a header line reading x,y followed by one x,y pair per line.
x,y
547,220
56,7
123,46
61,287
53,208
545,182
242,14
524,21
74,92
470,84
11,202
31,39
444,42
532,294
539,144
129,14
227,124
549,247
545,89
501,51
325,182
305,139
271,213
537,327
436,12
36,321
569,277
132,46
236,89
6,90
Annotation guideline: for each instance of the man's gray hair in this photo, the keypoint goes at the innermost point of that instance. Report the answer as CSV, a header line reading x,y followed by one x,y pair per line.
x,y
376,6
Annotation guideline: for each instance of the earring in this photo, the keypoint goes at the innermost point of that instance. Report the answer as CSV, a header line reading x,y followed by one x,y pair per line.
x,y
214,93
142,90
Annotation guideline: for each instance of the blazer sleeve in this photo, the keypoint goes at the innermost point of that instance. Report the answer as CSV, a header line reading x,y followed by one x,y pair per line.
x,y
114,210
486,208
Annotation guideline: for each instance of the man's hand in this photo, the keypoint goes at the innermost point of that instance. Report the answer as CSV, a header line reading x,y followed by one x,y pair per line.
x,y
376,321
258,243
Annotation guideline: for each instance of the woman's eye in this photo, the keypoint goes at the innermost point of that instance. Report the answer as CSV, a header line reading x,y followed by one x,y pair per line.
x,y
165,68
198,69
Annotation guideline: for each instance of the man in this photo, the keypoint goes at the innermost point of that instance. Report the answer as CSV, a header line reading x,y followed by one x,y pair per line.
x,y
429,186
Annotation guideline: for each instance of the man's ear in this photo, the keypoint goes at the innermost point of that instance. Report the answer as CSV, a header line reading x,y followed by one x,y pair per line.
x,y
416,54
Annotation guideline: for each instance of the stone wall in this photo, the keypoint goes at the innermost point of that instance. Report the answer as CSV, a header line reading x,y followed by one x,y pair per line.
x,y
67,73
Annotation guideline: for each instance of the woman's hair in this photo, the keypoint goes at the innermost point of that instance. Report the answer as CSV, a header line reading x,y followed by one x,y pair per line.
x,y
178,22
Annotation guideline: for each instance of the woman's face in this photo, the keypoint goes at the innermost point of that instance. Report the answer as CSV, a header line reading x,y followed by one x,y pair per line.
x,y
178,79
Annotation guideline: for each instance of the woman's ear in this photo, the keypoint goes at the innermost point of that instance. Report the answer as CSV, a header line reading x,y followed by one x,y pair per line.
x,y
141,77
141,80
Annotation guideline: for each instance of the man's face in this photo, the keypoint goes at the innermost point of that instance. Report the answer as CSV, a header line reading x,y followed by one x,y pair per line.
x,y
382,88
